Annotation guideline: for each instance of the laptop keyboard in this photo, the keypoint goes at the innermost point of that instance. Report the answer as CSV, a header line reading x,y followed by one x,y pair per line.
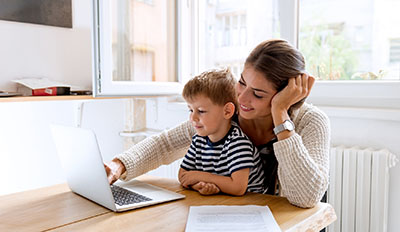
x,y
125,197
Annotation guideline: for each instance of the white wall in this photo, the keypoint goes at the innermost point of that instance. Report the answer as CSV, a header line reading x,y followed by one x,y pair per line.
x,y
27,153
33,50
376,128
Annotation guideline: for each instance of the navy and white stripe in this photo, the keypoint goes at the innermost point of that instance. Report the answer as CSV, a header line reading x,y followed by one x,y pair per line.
x,y
232,153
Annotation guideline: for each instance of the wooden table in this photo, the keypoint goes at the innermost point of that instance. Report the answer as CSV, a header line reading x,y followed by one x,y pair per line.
x,y
56,208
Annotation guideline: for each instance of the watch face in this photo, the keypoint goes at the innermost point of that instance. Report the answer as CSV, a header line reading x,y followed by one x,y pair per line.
x,y
289,125
286,125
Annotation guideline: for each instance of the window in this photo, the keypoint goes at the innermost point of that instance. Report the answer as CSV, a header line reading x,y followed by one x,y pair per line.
x,y
149,2
231,29
144,65
232,34
395,52
153,47
135,47
356,44
352,53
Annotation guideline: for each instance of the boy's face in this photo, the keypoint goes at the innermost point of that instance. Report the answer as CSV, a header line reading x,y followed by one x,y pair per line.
x,y
208,118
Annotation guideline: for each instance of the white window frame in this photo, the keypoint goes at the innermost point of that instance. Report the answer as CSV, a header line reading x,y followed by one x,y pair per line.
x,y
371,94
103,85
365,94
188,40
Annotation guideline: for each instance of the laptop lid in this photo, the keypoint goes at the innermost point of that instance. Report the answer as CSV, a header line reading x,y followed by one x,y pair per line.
x,y
80,157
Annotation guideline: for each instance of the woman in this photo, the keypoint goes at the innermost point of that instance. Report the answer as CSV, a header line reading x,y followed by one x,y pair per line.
x,y
292,137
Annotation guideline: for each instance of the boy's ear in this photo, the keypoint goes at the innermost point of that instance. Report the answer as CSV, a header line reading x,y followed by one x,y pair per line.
x,y
229,110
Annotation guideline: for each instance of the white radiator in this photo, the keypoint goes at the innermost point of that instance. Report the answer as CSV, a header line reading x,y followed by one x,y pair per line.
x,y
169,171
359,187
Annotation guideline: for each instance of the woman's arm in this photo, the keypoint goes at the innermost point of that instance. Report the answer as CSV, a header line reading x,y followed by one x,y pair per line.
x,y
302,154
236,184
303,158
156,150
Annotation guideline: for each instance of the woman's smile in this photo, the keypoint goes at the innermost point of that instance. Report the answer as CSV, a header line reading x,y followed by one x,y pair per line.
x,y
245,108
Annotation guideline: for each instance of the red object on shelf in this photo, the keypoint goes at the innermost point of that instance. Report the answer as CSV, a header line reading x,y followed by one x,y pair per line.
x,y
41,87
51,91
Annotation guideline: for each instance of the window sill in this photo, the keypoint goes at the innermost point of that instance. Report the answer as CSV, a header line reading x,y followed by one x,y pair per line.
x,y
356,94
362,113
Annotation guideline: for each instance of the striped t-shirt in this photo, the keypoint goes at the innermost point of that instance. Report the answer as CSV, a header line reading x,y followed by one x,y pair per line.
x,y
232,153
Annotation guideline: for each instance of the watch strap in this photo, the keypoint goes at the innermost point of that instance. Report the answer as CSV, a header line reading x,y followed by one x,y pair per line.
x,y
284,126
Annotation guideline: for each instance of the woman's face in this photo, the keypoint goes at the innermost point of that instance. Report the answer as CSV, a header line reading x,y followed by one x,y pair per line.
x,y
254,94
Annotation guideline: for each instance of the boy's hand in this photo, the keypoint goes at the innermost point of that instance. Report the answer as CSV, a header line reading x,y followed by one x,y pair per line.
x,y
189,178
236,184
206,188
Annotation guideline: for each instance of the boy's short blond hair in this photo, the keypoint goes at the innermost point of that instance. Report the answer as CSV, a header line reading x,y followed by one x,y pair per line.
x,y
217,85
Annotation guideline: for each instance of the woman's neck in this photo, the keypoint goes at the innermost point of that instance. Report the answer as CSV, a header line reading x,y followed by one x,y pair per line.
x,y
260,131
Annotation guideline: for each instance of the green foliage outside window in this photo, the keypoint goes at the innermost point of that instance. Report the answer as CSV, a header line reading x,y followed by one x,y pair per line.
x,y
328,54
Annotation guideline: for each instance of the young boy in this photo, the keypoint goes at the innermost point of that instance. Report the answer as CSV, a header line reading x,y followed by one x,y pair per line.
x,y
220,157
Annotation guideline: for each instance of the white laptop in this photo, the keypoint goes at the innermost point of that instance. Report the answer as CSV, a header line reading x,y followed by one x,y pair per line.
x,y
80,156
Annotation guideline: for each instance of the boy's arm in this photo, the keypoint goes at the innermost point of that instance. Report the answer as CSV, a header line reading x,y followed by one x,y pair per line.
x,y
236,184
180,174
202,187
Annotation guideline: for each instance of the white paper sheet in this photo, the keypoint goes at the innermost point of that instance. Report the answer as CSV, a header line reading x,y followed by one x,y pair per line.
x,y
217,218
40,83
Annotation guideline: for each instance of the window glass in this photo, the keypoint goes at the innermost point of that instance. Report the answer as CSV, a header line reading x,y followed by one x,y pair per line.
x,y
232,28
351,40
143,40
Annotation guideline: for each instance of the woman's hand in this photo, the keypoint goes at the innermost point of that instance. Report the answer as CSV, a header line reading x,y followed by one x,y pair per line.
x,y
297,89
114,170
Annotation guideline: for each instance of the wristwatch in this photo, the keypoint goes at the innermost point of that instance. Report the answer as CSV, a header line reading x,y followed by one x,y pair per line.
x,y
286,125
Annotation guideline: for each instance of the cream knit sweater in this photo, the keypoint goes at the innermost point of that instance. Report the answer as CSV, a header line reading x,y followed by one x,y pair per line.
x,y
303,159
